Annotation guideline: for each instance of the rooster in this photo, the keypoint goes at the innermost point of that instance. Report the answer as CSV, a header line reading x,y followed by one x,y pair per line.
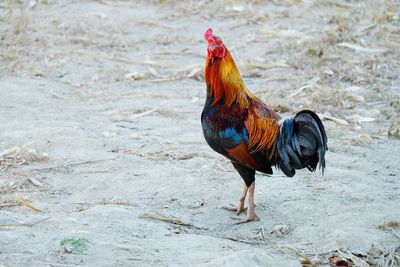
x,y
242,128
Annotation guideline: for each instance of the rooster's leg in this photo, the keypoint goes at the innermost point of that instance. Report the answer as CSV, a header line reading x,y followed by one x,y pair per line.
x,y
240,206
251,213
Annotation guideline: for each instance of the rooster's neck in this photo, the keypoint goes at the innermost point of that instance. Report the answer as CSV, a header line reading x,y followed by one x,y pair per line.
x,y
225,83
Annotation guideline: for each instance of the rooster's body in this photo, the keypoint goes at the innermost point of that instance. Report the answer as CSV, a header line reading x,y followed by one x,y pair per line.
x,y
239,126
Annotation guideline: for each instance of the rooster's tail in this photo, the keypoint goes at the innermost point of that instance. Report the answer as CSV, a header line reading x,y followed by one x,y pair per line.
x,y
302,143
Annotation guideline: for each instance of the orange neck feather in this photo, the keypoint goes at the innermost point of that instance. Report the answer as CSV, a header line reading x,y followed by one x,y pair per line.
x,y
224,81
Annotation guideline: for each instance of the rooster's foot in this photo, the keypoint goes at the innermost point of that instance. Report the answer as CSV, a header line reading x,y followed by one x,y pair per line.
x,y
239,208
250,217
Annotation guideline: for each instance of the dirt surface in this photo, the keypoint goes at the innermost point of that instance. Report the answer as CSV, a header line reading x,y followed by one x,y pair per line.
x,y
102,158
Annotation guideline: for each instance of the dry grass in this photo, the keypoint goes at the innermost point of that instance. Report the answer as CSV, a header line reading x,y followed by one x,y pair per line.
x,y
19,155
389,225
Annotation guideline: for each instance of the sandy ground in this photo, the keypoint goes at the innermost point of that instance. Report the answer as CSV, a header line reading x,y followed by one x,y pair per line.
x,y
112,92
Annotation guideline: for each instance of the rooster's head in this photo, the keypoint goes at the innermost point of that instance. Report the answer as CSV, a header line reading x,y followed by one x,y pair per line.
x,y
216,48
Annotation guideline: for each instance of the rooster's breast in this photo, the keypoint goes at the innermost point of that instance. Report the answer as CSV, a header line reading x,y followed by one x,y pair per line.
x,y
223,128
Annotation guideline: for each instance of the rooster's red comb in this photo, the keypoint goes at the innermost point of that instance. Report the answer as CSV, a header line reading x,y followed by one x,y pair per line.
x,y
208,35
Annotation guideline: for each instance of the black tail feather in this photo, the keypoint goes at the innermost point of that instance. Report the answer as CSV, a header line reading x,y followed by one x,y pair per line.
x,y
302,143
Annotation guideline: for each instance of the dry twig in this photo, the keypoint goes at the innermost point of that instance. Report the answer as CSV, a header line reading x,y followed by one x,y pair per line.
x,y
170,219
